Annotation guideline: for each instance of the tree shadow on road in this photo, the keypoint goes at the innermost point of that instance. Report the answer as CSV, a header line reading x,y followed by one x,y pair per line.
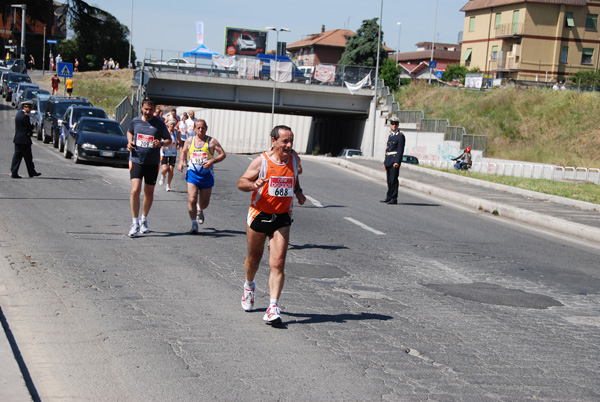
x,y
309,246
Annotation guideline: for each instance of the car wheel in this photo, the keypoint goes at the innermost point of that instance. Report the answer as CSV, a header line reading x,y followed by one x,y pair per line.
x,y
76,155
66,152
44,137
61,145
54,139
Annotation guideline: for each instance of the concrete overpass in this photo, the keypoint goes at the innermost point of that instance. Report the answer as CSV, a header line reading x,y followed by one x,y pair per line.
x,y
336,118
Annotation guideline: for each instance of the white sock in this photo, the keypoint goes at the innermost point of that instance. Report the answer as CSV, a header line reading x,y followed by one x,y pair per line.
x,y
273,302
144,218
249,285
135,221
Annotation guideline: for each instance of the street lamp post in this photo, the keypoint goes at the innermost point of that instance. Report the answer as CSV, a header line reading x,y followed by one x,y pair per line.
x,y
398,47
433,44
275,76
23,7
376,80
130,35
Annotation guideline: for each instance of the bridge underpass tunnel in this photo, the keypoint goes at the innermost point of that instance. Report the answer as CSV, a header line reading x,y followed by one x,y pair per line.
x,y
331,134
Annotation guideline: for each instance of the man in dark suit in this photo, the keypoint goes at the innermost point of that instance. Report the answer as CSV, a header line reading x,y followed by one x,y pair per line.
x,y
22,141
393,158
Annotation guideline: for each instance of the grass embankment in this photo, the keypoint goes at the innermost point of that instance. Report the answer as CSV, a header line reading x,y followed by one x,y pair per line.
x,y
533,125
105,89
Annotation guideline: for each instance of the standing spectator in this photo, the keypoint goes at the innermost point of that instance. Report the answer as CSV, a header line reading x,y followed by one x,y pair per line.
x,y
76,65
58,60
105,65
51,64
393,159
116,66
564,86
69,85
556,87
22,141
111,64
31,62
55,81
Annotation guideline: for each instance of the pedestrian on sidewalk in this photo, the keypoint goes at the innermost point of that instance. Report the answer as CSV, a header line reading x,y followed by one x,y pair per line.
x,y
393,159
55,81
69,85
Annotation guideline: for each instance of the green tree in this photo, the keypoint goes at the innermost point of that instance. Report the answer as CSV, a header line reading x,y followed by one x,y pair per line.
x,y
361,49
98,35
454,71
390,74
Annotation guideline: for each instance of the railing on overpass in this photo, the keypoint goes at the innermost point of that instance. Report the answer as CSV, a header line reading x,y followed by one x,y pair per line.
x,y
410,116
165,60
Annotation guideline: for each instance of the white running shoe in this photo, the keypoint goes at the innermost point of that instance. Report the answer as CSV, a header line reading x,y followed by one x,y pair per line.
x,y
272,316
200,217
144,227
248,299
134,230
194,228
161,180
168,188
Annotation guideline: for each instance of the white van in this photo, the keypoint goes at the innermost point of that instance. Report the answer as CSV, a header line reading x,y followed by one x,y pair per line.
x,y
308,71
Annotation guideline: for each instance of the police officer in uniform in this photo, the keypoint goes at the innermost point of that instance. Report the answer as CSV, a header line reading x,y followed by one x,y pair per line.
x,y
22,141
393,159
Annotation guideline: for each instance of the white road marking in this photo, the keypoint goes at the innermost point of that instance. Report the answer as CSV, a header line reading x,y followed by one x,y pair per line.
x,y
314,202
365,227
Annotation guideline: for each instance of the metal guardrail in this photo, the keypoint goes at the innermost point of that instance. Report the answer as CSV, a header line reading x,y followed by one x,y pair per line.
x,y
156,60
434,125
411,116
455,133
473,141
124,112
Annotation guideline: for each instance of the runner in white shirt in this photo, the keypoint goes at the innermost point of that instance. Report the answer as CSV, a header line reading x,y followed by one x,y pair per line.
x,y
168,156
182,129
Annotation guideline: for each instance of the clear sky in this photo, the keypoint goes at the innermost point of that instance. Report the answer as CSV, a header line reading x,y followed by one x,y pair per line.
x,y
172,26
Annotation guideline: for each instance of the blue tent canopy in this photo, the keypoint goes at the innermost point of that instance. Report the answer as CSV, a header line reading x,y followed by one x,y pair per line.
x,y
201,51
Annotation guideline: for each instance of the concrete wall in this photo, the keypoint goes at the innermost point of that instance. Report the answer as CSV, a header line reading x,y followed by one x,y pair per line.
x,y
249,132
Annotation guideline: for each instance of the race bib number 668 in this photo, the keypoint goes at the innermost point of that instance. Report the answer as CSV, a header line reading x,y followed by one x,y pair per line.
x,y
281,186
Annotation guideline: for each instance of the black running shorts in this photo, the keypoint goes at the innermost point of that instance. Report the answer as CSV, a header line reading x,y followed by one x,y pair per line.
x,y
269,223
148,172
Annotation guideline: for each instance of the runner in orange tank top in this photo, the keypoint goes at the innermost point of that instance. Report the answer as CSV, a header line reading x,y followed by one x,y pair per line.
x,y
271,178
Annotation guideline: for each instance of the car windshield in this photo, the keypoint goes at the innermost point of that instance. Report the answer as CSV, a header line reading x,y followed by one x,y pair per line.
x,y
61,108
79,113
19,78
354,153
102,127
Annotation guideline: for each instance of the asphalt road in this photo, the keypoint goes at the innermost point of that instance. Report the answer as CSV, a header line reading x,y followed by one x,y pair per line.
x,y
419,301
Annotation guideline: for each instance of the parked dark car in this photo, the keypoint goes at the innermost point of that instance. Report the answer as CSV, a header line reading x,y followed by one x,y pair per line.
x,y
12,79
72,116
37,113
55,109
14,65
98,140
19,88
411,160
30,93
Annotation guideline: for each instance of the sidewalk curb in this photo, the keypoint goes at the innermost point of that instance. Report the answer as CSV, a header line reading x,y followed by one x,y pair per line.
x,y
517,214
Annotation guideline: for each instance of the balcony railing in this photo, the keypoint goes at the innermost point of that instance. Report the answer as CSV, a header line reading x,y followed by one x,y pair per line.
x,y
509,30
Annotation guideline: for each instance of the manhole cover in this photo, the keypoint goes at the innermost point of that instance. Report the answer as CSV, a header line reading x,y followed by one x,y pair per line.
x,y
313,271
489,293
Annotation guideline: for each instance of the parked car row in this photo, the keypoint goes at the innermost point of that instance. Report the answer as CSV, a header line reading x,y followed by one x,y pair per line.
x,y
71,124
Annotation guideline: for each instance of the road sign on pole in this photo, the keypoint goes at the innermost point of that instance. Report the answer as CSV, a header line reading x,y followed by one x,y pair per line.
x,y
65,69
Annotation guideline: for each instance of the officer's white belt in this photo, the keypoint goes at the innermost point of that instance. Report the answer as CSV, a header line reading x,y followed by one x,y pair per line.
x,y
391,153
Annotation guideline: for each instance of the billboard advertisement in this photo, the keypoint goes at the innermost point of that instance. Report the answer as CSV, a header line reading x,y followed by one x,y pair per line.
x,y
244,42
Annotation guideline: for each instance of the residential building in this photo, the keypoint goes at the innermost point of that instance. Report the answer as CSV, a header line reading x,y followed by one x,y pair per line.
x,y
325,47
531,40
44,19
415,65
